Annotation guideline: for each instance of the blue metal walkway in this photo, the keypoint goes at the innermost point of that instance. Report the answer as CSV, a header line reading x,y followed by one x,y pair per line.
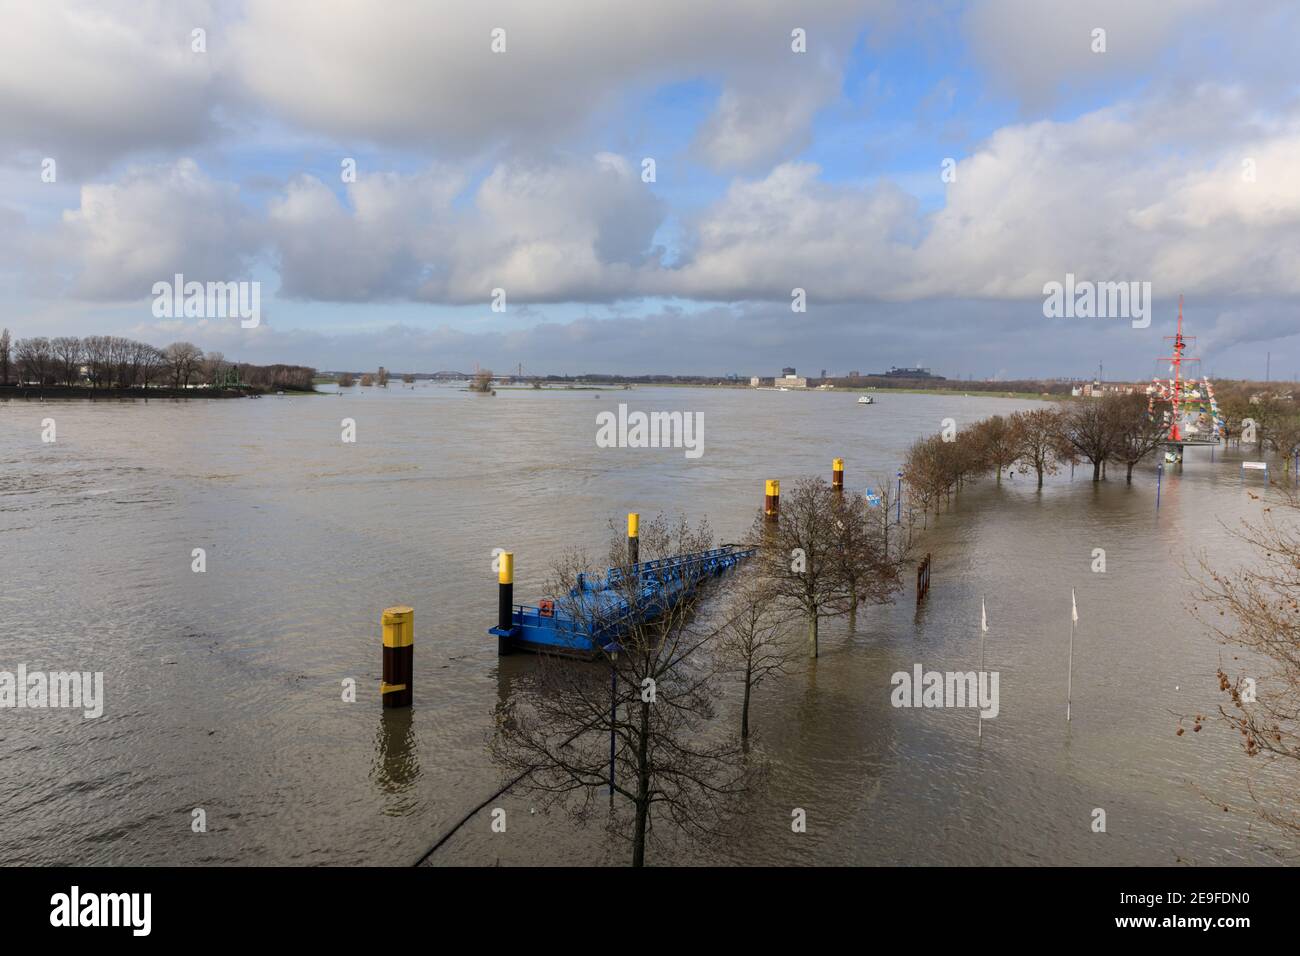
x,y
602,604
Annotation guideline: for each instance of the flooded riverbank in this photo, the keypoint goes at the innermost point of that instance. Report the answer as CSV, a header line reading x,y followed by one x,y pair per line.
x,y
223,688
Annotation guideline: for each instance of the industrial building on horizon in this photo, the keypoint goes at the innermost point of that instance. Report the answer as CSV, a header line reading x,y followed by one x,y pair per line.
x,y
789,377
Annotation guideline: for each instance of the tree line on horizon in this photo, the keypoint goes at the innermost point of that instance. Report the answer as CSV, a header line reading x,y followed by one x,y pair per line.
x,y
111,361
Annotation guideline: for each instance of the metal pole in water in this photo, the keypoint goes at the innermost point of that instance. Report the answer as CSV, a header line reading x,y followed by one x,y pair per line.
x,y
633,542
837,474
613,718
898,519
1160,471
984,626
772,501
398,624
505,600
1069,669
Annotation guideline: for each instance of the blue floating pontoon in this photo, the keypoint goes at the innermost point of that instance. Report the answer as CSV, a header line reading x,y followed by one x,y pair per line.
x,y
550,628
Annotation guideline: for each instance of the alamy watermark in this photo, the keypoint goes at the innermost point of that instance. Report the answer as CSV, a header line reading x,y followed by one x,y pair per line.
x,y
130,910
651,430
1098,300
923,688
40,690
179,299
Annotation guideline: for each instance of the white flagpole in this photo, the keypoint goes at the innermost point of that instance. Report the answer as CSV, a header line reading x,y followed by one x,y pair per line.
x,y
1069,672
984,626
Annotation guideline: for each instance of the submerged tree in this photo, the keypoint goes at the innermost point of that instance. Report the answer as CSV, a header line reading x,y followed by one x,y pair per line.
x,y
862,565
1258,609
1088,431
1284,437
796,553
998,442
754,639
1040,441
1136,433
927,472
653,701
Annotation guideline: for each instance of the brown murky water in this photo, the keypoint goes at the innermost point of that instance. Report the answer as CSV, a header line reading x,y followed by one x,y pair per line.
x,y
224,688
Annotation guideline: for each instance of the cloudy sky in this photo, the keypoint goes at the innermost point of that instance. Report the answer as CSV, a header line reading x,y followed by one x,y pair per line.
x,y
921,169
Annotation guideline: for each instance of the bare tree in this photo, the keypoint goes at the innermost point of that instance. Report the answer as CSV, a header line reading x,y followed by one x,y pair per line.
x,y
149,362
861,560
482,381
35,359
754,640
1040,440
1256,609
884,514
67,354
651,702
797,553
1088,430
1136,432
366,380
213,368
1285,437
183,359
346,380
97,350
997,441
120,352
928,470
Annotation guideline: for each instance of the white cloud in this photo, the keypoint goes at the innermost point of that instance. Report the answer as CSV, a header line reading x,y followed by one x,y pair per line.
x,y
85,84
413,72
1037,49
155,222
376,247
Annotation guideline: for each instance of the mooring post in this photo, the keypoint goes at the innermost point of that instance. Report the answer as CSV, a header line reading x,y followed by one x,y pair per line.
x,y
633,543
837,474
898,519
505,601
398,625
772,501
1160,472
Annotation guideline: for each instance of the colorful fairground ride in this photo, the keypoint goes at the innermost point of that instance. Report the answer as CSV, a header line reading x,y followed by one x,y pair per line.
x,y
1189,409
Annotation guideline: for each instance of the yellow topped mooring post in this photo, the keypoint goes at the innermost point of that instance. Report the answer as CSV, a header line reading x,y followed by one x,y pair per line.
x,y
398,625
772,500
633,542
837,474
505,601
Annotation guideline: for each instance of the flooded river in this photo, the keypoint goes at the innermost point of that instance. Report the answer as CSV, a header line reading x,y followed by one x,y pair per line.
x,y
223,688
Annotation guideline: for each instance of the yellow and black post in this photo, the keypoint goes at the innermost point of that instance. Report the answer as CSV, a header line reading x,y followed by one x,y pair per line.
x,y
837,474
399,656
633,542
772,500
505,602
